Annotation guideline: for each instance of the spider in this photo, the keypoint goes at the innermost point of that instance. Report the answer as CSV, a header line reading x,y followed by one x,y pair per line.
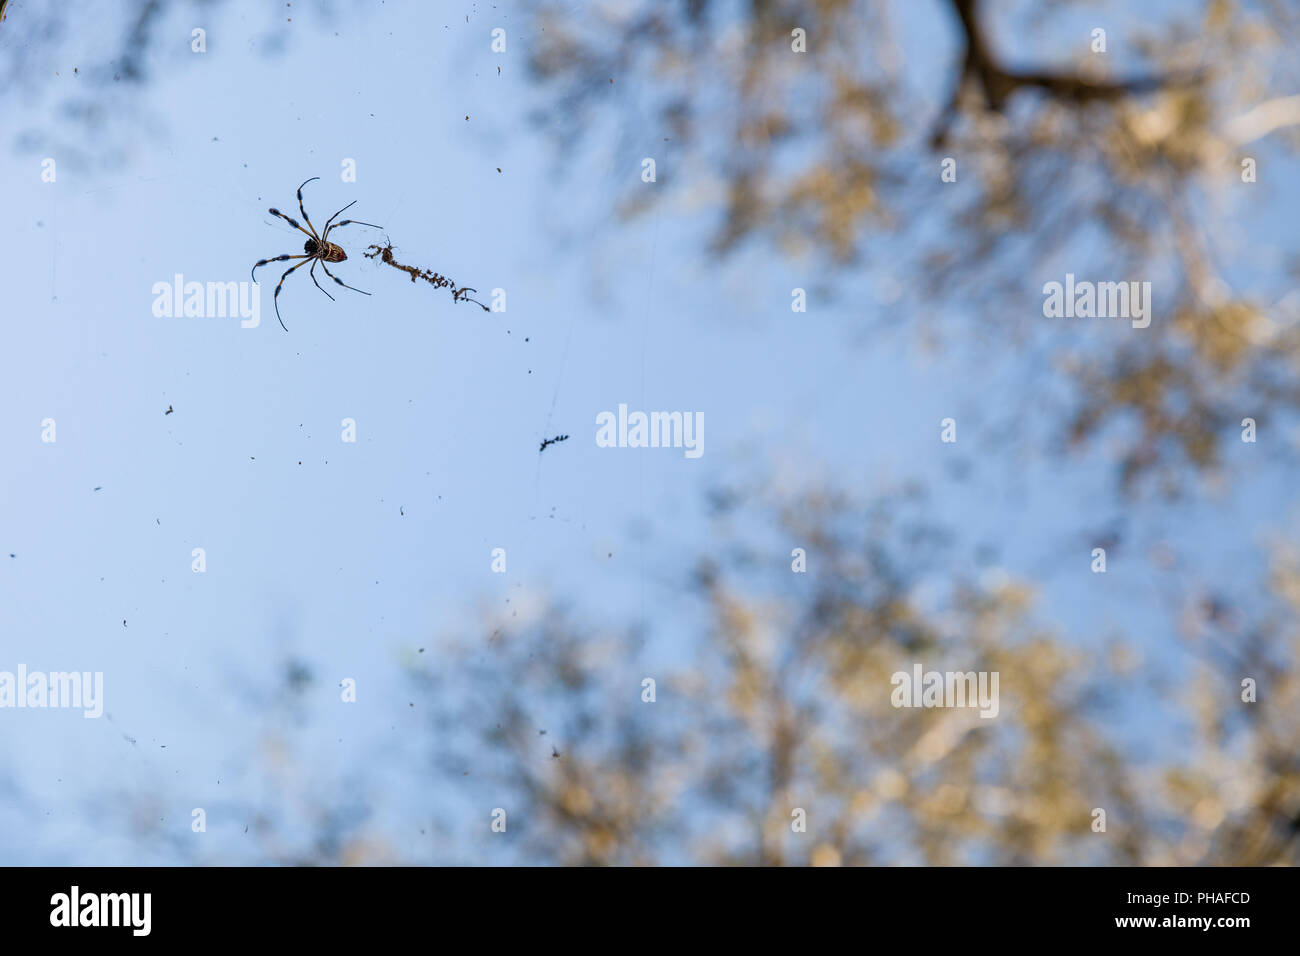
x,y
317,248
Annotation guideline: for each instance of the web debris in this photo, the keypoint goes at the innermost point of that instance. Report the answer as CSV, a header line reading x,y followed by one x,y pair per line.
x,y
552,441
385,252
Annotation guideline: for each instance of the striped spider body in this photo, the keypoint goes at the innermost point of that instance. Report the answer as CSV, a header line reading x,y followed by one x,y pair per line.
x,y
325,251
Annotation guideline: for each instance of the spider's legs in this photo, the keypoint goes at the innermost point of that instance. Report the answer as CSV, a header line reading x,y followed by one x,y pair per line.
x,y
304,211
338,280
277,290
293,222
312,272
332,218
261,262
348,222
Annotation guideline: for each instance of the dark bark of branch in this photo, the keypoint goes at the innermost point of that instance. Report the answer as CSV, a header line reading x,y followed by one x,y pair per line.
x,y
998,84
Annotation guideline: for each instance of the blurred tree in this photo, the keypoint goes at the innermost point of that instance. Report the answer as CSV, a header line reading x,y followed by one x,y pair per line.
x,y
1067,164
788,706
785,705
87,64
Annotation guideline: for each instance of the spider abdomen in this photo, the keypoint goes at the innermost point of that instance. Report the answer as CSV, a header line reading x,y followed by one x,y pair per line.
x,y
324,250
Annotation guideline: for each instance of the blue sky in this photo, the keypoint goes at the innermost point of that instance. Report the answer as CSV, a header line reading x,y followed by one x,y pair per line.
x,y
350,556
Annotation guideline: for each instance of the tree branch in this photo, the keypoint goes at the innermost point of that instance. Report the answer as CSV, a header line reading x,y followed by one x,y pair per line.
x,y
998,84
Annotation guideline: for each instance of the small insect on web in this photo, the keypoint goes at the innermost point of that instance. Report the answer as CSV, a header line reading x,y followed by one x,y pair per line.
x,y
317,249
